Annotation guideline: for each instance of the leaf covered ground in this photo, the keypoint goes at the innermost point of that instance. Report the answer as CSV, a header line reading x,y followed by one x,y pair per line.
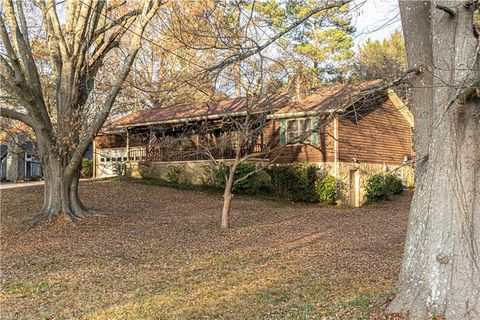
x,y
159,254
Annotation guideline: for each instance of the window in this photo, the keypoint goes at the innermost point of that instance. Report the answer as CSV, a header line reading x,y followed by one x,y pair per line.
x,y
102,159
299,131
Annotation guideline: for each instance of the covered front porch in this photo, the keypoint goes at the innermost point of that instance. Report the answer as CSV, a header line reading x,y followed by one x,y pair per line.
x,y
213,140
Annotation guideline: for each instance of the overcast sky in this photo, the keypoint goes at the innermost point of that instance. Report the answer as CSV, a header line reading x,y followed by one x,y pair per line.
x,y
376,19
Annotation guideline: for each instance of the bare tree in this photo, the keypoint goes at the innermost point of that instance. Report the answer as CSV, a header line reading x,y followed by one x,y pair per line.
x,y
63,120
55,90
441,266
243,141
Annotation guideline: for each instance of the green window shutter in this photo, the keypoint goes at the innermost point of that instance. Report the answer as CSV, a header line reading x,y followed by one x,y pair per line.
x,y
283,131
314,136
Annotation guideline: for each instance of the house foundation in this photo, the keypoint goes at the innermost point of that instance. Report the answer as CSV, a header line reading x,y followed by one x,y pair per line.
x,y
352,177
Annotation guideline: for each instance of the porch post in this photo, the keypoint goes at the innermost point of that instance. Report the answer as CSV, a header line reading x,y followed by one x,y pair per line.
x,y
128,145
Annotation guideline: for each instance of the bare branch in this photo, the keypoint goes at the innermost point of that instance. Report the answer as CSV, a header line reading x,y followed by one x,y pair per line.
x,y
149,10
12,114
451,12
249,53
469,92
50,14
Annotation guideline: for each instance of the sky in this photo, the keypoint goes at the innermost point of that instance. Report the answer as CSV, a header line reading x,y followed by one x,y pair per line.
x,y
375,19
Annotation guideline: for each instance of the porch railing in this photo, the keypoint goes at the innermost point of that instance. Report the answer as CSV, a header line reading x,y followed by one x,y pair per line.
x,y
171,154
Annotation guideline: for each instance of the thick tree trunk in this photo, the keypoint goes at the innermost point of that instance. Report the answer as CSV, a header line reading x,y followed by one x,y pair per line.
x,y
441,274
60,195
441,267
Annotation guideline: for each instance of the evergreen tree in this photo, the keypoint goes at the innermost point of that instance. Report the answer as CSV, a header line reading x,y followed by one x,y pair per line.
x,y
382,59
321,49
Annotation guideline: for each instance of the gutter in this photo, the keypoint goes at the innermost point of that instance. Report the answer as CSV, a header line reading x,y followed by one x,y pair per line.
x,y
187,119
224,115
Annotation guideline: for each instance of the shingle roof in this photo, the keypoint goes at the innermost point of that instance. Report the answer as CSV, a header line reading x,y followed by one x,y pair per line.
x,y
331,98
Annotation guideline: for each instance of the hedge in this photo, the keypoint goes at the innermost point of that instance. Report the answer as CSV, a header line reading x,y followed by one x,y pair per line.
x,y
382,186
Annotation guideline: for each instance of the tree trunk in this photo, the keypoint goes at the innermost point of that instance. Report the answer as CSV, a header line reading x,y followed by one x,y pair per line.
x,y
441,266
227,202
227,199
60,195
441,274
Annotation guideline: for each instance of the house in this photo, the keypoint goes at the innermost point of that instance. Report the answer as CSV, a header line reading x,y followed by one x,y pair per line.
x,y
351,131
18,157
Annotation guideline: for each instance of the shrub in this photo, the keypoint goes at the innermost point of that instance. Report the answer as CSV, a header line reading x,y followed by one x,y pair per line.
x,y
173,173
394,183
327,189
283,179
87,168
254,184
308,176
295,182
382,186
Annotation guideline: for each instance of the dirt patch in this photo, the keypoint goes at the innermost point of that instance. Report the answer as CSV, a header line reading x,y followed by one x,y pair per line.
x,y
159,254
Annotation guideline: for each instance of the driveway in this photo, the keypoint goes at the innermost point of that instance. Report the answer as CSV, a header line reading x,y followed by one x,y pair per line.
x,y
11,185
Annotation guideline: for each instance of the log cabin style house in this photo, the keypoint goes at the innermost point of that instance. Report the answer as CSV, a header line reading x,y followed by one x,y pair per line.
x,y
351,131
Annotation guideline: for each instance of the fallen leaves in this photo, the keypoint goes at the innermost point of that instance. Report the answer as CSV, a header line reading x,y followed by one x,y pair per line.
x,y
161,255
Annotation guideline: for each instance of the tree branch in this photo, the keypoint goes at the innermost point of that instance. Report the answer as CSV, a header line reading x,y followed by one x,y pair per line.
x,y
12,114
149,10
50,14
249,53
451,12
15,64
469,92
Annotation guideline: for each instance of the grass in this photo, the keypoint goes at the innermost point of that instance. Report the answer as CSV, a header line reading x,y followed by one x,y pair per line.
x,y
159,254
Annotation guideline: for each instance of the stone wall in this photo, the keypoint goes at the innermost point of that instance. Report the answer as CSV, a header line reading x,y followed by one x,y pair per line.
x,y
346,171
192,172
201,172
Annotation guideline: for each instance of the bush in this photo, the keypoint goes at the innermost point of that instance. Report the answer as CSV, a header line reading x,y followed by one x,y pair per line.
x,y
258,183
87,168
382,187
173,173
283,180
295,182
327,190
394,183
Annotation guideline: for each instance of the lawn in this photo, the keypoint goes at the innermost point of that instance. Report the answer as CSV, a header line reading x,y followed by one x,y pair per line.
x,y
159,254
